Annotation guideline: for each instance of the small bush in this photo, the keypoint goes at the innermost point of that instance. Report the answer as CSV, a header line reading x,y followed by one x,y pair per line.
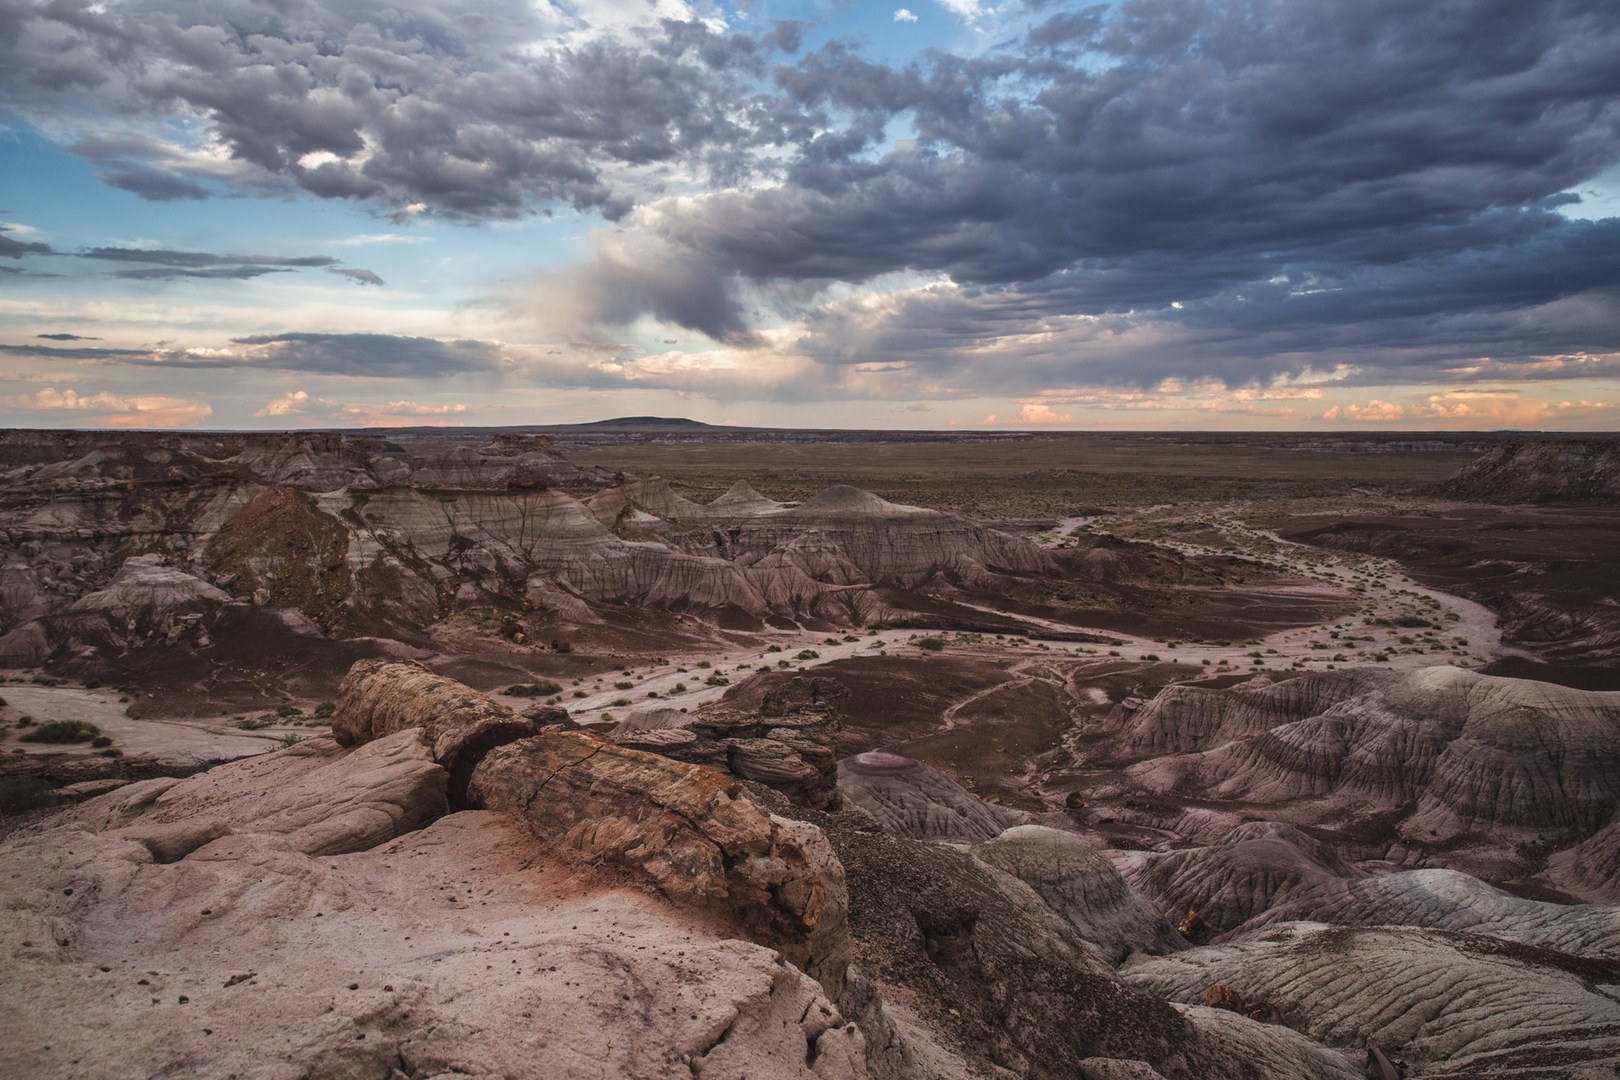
x,y
680,688
290,739
92,684
3,700
831,641
624,685
19,793
100,741
63,731
1411,622
703,664
773,648
538,688
581,693
25,721
783,663
620,702
325,709
652,693
111,751
808,654
285,711
717,680
932,644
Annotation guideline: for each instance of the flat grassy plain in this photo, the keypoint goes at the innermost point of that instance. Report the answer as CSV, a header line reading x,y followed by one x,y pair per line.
x,y
1028,478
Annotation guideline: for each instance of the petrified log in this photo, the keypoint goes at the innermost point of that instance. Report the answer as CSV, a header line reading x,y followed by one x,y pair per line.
x,y
458,724
689,830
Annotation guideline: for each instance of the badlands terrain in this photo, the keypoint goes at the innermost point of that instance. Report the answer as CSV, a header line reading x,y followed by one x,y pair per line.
x,y
648,749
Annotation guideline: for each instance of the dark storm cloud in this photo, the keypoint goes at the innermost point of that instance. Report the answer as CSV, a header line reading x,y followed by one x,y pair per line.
x,y
221,273
364,277
1240,189
16,249
377,355
66,337
368,354
199,259
405,104
152,185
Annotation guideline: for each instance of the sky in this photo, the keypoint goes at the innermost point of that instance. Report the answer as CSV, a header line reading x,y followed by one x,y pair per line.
x,y
1304,215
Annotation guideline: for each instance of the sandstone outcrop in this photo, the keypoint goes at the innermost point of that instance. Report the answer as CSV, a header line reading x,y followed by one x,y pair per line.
x,y
790,743
1541,470
1450,1005
918,801
1508,761
1077,881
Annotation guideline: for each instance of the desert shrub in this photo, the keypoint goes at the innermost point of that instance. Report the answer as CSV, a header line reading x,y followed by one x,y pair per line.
x,y
932,644
783,663
680,688
63,731
652,693
537,688
285,711
289,739
808,654
325,709
101,741
20,793
624,685
717,680
47,680
620,702
582,693
831,641
703,663
1411,622
773,648
92,684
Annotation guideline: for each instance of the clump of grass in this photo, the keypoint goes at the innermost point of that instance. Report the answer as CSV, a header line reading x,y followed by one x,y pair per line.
x,y
292,738
21,793
808,654
620,702
101,741
537,688
932,644
63,731
717,680
325,709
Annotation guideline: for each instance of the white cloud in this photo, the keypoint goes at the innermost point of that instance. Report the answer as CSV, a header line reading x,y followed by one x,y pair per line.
x,y
904,15
132,412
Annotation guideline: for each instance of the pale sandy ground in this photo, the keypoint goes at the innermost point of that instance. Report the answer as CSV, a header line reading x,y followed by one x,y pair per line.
x,y
169,739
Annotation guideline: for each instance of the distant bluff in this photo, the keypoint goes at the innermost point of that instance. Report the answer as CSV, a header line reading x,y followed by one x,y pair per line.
x,y
1542,470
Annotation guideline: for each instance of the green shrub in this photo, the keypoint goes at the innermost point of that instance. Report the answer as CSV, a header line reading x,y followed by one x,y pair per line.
x,y
680,688
932,644
92,684
582,693
285,711
808,654
101,741
703,663
292,738
773,648
624,685
717,680
325,709
1411,622
25,721
538,688
63,731
20,793
620,702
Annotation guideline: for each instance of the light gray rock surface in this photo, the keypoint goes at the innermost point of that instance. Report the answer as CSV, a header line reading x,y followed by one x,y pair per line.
x,y
1449,1004
918,801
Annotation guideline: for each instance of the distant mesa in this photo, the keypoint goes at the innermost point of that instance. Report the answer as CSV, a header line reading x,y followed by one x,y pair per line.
x,y
1541,471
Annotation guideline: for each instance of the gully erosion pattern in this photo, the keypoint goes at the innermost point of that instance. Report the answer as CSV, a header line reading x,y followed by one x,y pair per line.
x,y
453,759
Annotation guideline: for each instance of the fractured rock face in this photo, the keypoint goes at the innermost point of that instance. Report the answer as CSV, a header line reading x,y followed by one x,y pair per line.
x,y
1509,760
686,829
915,800
1079,883
1452,1005
790,744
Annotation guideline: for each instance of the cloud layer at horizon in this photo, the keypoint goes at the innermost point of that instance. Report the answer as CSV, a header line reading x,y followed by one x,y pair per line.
x,y
1263,209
